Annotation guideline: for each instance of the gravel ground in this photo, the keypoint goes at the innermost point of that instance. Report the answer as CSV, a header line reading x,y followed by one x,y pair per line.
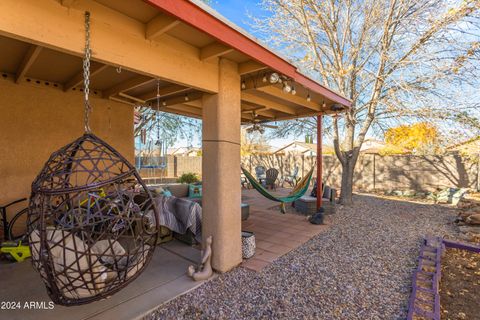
x,y
360,268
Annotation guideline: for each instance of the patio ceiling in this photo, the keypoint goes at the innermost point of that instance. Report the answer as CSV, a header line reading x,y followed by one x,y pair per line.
x,y
25,62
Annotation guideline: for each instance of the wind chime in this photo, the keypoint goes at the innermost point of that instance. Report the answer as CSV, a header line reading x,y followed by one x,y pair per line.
x,y
161,145
91,230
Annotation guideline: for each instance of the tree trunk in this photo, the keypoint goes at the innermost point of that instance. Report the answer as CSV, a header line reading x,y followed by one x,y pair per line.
x,y
346,196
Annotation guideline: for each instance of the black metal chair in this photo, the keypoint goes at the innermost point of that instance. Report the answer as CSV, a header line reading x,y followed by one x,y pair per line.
x,y
291,179
244,182
260,173
271,178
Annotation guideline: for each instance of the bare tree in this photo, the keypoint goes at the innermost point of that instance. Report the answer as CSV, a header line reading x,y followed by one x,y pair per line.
x,y
164,126
397,60
253,143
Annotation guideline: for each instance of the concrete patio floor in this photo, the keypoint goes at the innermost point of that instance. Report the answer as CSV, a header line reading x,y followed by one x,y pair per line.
x,y
164,279
275,233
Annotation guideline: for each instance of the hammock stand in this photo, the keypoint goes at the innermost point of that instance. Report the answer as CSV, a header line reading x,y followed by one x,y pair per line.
x,y
296,193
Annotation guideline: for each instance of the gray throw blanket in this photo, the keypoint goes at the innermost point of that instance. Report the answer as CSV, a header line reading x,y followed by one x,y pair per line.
x,y
180,215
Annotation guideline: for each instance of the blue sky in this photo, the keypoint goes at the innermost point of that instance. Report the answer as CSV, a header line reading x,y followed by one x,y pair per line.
x,y
238,12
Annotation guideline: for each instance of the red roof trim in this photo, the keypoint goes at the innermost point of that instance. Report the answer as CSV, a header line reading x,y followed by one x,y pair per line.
x,y
200,19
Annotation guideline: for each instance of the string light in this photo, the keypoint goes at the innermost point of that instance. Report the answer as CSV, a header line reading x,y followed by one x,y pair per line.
x,y
164,103
274,78
186,97
337,107
308,97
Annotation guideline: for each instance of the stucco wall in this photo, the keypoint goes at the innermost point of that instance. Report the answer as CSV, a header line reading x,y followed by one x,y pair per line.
x,y
36,120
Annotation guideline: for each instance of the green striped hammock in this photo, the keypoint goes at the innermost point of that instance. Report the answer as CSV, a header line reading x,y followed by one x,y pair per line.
x,y
297,192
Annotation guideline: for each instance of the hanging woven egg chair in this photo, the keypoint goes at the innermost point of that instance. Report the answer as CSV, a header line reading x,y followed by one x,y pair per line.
x,y
92,223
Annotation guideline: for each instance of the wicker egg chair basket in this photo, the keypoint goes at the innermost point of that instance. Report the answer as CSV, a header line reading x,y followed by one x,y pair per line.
x,y
92,223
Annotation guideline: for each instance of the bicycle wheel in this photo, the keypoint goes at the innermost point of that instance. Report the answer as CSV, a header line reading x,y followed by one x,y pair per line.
x,y
2,236
18,225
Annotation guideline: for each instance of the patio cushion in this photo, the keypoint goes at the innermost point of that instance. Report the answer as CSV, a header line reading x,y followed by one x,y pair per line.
x,y
72,271
76,285
178,190
159,190
69,266
109,254
195,191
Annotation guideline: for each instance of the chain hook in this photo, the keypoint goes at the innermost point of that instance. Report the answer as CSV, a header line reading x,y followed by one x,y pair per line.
x,y
86,74
158,111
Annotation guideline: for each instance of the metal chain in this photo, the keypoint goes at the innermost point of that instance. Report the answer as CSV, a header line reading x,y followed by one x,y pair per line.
x,y
86,73
158,111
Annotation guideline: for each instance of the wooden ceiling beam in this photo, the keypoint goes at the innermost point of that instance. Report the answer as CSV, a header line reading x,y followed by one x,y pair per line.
x,y
78,78
296,99
251,98
267,113
247,115
261,111
127,85
27,62
306,115
195,103
185,108
192,96
255,82
117,99
214,50
68,3
257,109
124,95
164,91
250,66
181,112
159,25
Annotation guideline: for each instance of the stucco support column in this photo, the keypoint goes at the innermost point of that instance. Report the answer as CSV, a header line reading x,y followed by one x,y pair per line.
x,y
221,168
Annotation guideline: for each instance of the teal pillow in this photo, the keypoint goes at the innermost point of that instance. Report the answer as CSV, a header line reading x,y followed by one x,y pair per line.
x,y
167,193
194,190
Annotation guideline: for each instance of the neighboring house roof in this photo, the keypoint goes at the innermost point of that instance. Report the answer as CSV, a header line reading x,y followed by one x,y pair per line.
x,y
260,149
474,140
469,146
183,151
372,146
302,147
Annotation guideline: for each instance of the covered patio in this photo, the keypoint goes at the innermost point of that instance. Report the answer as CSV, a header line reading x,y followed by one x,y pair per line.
x,y
205,67
165,278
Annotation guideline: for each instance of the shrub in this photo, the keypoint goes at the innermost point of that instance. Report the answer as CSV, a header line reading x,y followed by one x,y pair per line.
x,y
188,177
